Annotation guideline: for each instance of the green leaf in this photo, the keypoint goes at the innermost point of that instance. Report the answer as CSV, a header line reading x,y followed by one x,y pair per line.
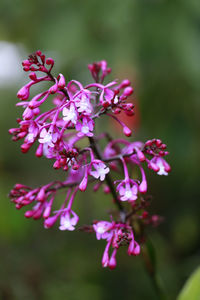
x,y
191,289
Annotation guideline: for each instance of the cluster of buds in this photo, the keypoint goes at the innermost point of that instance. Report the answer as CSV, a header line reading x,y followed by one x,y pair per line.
x,y
58,131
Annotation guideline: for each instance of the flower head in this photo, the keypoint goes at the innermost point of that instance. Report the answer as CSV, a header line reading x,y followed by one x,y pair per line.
x,y
68,220
48,138
100,170
70,114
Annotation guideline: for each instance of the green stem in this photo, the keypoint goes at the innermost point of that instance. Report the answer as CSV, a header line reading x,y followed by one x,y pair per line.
x,y
149,257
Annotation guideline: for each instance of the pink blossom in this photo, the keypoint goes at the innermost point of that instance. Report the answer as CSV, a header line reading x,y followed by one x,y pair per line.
x,y
65,134
101,228
128,190
162,166
70,114
100,170
47,137
68,222
86,127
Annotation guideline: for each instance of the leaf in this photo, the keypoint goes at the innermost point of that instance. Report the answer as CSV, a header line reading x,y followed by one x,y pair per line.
x,y
191,289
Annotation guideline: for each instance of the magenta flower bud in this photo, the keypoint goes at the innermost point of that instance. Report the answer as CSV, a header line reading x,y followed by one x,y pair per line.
x,y
39,151
26,63
131,247
18,206
125,83
49,61
41,195
53,89
153,166
117,111
136,249
47,212
127,131
105,104
145,214
43,58
13,130
83,184
28,114
143,187
22,134
38,52
112,262
23,93
162,153
96,187
129,113
57,165
163,146
19,186
33,76
61,81
26,68
141,155
106,190
128,91
49,222
29,213
38,213
41,68
148,143
36,111
65,168
105,259
25,147
166,166
129,106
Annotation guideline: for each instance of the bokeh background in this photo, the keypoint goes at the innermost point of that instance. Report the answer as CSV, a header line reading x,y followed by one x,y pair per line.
x,y
155,43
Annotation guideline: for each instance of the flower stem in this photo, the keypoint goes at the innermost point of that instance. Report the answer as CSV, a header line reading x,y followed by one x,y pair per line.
x,y
149,257
108,180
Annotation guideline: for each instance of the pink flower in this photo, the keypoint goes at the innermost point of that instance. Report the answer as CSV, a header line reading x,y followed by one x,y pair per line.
x,y
48,138
32,133
68,222
82,101
24,92
70,114
107,94
101,228
162,166
100,170
128,190
85,127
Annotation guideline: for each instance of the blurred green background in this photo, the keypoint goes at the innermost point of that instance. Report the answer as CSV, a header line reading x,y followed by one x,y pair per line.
x,y
155,43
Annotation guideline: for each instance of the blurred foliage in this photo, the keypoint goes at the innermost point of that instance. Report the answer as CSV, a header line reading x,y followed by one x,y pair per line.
x,y
156,43
191,289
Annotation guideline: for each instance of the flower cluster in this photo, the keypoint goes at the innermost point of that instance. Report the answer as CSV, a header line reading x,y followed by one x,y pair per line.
x,y
71,118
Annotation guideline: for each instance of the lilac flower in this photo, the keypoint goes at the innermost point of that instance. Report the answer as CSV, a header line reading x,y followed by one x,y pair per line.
x,y
48,138
100,170
86,127
107,93
101,228
116,235
60,130
70,114
128,190
32,133
163,166
82,101
67,222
